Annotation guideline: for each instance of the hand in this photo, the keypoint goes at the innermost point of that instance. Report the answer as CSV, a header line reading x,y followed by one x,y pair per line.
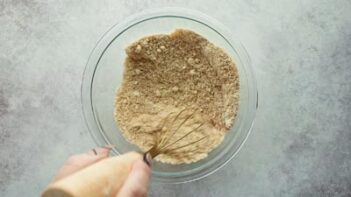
x,y
136,184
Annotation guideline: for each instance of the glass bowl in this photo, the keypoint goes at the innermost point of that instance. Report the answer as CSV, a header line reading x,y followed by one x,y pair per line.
x,y
104,74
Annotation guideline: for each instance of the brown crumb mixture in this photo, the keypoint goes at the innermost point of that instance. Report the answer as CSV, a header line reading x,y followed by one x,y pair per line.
x,y
167,73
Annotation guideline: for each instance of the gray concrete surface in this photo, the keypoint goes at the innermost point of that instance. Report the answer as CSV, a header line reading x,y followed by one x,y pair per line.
x,y
300,51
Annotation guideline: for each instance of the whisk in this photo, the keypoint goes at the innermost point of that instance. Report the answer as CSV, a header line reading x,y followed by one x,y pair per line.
x,y
163,143
106,177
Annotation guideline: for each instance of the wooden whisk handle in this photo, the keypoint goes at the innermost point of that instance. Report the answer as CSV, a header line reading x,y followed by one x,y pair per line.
x,y
101,179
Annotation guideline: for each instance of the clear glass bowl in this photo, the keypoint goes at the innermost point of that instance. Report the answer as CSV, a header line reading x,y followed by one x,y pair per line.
x,y
104,73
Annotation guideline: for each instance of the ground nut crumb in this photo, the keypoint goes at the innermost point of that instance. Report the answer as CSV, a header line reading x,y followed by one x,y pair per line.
x,y
158,93
138,49
175,89
166,73
137,71
191,61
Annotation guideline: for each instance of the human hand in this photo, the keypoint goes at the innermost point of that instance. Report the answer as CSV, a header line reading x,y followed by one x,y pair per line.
x,y
135,185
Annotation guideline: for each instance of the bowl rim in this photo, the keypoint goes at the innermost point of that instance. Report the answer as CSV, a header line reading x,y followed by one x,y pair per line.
x,y
119,28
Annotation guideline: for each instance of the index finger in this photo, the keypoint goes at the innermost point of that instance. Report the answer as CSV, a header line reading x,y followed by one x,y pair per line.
x,y
80,161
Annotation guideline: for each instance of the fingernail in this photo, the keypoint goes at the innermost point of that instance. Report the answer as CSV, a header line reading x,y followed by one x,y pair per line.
x,y
147,159
101,150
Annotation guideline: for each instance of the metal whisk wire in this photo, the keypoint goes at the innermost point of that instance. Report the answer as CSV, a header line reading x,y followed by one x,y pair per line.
x,y
162,146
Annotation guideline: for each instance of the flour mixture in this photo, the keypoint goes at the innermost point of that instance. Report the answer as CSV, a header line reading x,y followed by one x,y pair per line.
x,y
165,74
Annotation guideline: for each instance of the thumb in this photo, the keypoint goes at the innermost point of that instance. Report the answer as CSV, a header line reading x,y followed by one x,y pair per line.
x,y
137,182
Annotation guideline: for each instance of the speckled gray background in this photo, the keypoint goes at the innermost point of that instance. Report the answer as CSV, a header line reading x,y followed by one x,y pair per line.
x,y
301,54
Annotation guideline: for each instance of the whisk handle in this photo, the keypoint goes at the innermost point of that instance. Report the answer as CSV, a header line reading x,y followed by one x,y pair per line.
x,y
101,179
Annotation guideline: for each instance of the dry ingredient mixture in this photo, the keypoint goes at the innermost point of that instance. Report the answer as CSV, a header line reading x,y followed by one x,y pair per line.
x,y
165,74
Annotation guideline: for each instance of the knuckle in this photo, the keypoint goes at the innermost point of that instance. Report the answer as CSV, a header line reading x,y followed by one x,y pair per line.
x,y
138,192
